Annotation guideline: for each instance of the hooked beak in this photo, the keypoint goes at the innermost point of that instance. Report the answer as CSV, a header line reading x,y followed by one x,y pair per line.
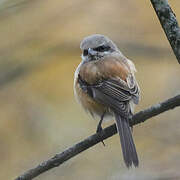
x,y
92,52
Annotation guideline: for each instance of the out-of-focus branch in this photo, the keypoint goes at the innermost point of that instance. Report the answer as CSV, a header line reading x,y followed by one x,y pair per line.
x,y
169,24
60,158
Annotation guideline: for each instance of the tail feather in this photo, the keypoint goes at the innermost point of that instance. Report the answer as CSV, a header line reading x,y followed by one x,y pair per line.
x,y
128,147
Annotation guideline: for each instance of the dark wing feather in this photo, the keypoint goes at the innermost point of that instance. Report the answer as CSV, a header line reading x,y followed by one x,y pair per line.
x,y
116,92
112,93
131,88
117,106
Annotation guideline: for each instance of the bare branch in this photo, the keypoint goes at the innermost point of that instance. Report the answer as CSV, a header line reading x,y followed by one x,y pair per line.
x,y
169,23
60,158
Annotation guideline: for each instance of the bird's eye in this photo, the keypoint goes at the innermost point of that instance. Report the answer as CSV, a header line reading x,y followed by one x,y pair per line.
x,y
102,48
85,52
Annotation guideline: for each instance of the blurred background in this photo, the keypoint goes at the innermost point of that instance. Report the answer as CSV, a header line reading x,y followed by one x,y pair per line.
x,y
39,52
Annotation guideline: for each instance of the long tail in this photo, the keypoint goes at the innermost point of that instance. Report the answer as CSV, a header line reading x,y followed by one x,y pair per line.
x,y
128,147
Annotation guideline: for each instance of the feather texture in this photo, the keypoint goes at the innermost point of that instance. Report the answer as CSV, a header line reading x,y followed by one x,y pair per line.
x,y
111,86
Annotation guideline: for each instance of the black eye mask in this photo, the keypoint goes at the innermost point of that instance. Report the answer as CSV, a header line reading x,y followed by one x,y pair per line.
x,y
85,52
102,48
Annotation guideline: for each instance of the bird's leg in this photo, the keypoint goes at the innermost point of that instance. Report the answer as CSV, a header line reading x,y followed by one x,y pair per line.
x,y
99,126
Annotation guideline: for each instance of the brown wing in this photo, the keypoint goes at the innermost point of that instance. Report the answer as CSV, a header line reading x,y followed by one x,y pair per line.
x,y
116,100
115,73
109,82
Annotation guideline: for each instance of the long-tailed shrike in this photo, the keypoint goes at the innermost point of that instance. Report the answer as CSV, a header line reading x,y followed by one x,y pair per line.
x,y
105,85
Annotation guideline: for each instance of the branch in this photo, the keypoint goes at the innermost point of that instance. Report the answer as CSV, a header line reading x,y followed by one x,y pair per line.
x,y
169,24
60,158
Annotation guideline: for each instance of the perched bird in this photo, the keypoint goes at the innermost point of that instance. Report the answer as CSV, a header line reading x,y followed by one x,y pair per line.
x,y
105,85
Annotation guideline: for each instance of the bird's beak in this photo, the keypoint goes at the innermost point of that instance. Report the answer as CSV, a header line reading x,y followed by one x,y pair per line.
x,y
92,52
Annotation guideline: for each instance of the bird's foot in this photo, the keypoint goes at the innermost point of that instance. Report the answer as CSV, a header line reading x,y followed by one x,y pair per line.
x,y
99,130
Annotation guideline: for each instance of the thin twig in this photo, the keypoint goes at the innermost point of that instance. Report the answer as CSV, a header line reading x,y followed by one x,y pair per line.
x,y
169,24
58,159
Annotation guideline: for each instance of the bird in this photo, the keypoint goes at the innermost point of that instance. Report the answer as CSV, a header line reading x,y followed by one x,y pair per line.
x,y
106,87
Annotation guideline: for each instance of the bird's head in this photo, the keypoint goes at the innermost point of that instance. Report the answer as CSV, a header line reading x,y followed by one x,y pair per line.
x,y
97,46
